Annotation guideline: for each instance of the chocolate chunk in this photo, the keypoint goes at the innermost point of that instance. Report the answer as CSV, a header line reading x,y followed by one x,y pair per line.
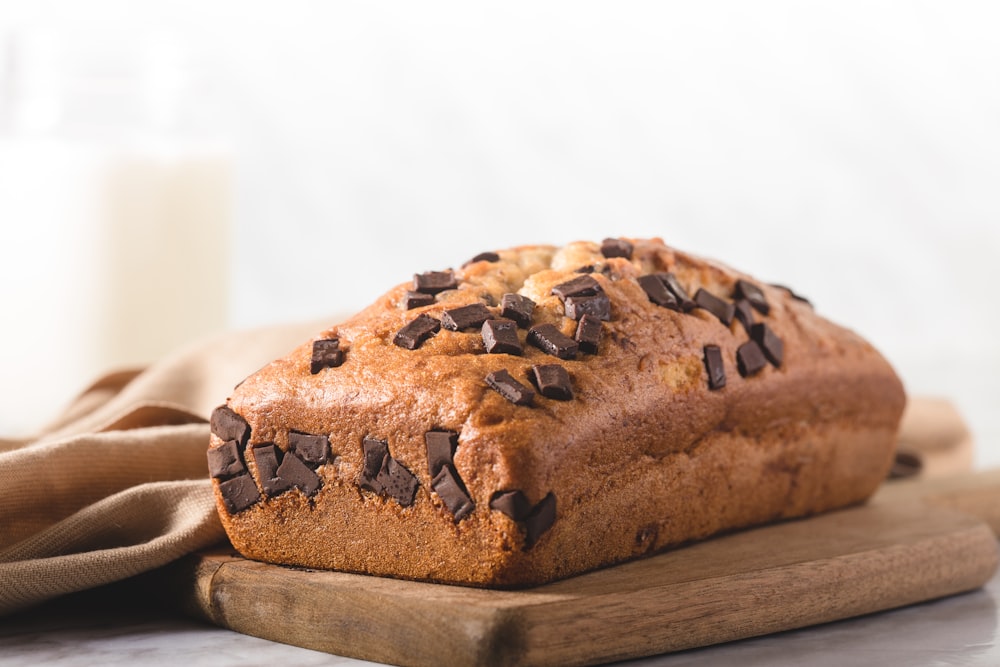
x,y
791,293
509,388
542,516
772,346
552,381
452,494
750,359
416,332
716,369
724,310
500,337
548,339
599,306
465,317
670,281
398,482
658,292
375,452
295,473
326,354
518,308
512,503
416,300
590,268
588,334
230,426
433,282
753,294
266,457
616,248
484,257
225,461
584,285
744,313
441,446
312,449
239,493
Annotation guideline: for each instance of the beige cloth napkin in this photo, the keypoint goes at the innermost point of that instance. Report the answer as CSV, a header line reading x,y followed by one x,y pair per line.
x,y
119,484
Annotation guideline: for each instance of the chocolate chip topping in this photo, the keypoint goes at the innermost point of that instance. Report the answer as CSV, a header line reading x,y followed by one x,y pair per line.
x,y
416,300
228,425
266,458
397,482
588,334
298,474
455,498
658,292
225,462
590,268
441,446
512,503
239,493
552,381
670,281
716,369
723,310
584,285
509,388
616,248
312,449
326,353
433,282
549,339
791,293
518,308
753,294
465,317
540,520
416,332
598,305
500,337
744,313
772,346
750,359
484,257
375,452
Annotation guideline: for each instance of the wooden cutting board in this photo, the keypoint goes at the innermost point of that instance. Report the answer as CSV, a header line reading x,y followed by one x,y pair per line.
x,y
908,545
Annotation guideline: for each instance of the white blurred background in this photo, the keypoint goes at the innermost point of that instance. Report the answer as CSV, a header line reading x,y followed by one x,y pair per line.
x,y
292,160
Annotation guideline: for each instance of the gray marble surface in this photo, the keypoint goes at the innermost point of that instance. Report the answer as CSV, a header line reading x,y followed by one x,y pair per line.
x,y
114,626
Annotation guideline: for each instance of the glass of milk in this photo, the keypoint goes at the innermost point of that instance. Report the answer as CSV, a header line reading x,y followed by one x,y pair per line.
x,y
115,207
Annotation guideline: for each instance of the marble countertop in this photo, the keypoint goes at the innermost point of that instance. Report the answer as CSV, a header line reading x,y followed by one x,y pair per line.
x,y
116,626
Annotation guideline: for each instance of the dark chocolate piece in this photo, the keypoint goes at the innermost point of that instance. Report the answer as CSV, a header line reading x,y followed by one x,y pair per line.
x,y
658,292
448,488
791,293
266,457
484,257
375,452
716,369
509,388
239,493
542,516
416,300
512,503
326,354
590,268
599,306
295,472
552,381
616,248
548,339
753,294
500,337
670,281
584,285
312,449
225,461
770,344
518,308
465,317
433,282
588,334
416,332
723,310
744,313
750,359
398,482
230,426
441,446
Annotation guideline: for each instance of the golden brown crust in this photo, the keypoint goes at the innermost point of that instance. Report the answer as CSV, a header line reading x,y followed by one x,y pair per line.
x,y
644,456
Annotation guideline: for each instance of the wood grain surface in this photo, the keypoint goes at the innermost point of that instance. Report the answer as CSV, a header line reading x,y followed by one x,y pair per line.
x,y
899,549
